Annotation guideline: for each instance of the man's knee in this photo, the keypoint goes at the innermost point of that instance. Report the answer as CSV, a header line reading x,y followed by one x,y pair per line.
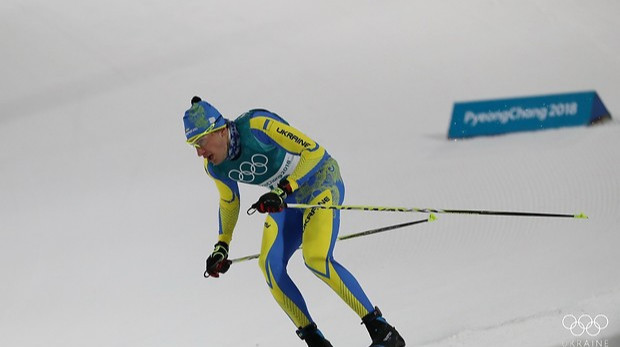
x,y
266,257
316,260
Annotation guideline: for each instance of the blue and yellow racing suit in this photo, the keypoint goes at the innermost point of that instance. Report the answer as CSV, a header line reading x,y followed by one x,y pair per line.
x,y
271,150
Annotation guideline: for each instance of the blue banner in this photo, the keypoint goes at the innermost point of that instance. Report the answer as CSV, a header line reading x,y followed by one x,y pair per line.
x,y
492,117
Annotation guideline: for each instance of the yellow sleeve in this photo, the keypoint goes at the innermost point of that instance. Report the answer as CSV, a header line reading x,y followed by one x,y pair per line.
x,y
228,208
293,141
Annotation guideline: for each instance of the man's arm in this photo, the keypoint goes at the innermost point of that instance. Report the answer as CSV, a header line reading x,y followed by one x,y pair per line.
x,y
229,205
293,141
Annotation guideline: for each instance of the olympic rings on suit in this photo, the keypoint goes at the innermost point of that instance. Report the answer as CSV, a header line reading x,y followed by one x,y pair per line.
x,y
249,170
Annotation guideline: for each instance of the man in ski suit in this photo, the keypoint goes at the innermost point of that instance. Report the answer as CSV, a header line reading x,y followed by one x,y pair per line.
x,y
261,148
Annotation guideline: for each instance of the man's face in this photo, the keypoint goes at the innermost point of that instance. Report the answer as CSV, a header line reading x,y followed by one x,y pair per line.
x,y
213,146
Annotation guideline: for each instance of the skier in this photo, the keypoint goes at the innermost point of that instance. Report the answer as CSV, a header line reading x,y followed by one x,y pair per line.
x,y
261,148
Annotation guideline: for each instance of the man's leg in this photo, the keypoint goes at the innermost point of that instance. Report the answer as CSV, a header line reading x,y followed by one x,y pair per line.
x,y
281,238
276,250
319,237
320,234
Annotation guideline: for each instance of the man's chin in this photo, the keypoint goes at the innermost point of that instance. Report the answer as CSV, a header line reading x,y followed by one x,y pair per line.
x,y
216,161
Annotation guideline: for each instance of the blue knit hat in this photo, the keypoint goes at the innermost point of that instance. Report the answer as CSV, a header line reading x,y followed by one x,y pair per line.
x,y
201,119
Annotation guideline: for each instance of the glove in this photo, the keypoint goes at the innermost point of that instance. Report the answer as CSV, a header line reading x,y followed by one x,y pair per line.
x,y
273,201
218,262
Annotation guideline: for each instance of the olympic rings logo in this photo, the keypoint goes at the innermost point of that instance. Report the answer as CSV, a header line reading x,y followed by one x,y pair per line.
x,y
249,170
585,324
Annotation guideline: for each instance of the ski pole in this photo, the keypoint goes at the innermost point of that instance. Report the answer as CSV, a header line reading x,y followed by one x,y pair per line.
x,y
430,218
431,210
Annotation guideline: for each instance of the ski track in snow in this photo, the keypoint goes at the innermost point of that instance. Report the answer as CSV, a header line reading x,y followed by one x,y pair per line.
x,y
518,325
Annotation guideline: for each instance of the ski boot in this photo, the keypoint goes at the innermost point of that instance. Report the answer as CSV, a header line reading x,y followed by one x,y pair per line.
x,y
313,336
382,334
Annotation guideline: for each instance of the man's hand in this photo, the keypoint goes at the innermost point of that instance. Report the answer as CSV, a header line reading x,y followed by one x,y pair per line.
x,y
273,201
218,262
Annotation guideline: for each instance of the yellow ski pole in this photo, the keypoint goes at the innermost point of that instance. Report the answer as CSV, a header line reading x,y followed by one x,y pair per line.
x,y
432,210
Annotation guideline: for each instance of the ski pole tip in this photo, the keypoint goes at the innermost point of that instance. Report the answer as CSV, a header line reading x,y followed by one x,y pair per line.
x,y
432,217
581,216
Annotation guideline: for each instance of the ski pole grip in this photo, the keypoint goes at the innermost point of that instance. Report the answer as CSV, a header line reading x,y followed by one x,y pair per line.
x,y
254,208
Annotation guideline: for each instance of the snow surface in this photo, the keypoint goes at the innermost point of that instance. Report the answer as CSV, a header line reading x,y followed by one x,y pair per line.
x,y
106,215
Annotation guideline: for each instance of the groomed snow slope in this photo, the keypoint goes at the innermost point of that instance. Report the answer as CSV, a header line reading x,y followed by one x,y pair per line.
x,y
106,215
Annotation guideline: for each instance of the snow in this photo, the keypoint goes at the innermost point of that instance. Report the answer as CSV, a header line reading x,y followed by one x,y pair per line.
x,y
106,216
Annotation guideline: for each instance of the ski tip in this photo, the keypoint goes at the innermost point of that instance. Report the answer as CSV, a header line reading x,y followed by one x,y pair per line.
x,y
432,217
581,216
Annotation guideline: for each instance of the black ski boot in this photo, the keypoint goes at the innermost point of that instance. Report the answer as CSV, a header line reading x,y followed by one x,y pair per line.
x,y
382,334
313,336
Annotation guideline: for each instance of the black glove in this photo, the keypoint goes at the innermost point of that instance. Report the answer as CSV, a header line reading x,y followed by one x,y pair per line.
x,y
218,262
273,201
